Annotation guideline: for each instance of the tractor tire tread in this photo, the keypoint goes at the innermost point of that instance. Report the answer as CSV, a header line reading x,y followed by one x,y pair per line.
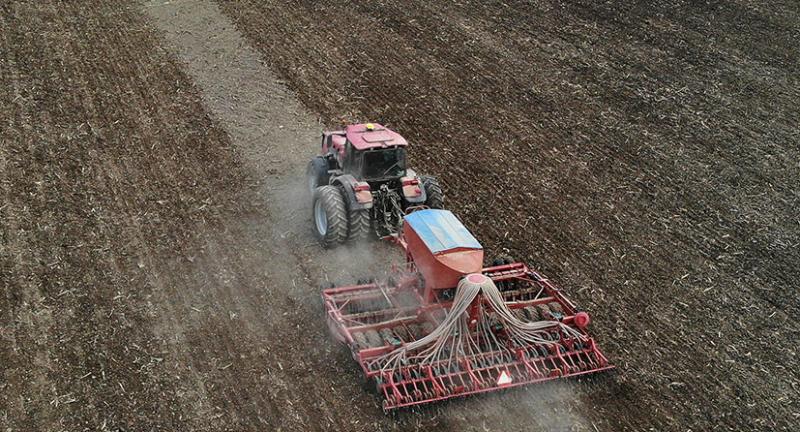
x,y
335,209
359,225
434,195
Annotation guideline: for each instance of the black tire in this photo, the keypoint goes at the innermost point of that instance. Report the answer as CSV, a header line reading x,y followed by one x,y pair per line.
x,y
359,225
329,216
316,173
434,196
502,260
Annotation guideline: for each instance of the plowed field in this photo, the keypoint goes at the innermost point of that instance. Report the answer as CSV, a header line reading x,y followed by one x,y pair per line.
x,y
157,270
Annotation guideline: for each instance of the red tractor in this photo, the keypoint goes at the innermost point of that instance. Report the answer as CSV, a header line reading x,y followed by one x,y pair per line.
x,y
361,185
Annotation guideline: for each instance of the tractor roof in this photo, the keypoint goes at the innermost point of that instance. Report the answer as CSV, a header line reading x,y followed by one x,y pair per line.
x,y
372,135
441,230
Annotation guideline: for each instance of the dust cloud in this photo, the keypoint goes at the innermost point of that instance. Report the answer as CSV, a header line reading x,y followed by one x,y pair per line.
x,y
548,407
292,224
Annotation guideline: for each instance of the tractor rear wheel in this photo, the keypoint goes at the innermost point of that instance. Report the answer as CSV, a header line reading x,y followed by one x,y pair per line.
x,y
359,226
330,216
434,196
316,173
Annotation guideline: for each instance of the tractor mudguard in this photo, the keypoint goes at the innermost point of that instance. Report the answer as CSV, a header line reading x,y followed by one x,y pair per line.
x,y
348,183
408,190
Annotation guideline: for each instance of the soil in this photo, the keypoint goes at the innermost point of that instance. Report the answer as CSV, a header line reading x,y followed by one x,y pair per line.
x,y
157,267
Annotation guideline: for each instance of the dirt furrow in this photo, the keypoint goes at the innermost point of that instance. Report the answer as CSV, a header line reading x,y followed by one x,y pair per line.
x,y
646,166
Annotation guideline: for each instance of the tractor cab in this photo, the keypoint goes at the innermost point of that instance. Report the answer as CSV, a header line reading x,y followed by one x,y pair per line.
x,y
374,153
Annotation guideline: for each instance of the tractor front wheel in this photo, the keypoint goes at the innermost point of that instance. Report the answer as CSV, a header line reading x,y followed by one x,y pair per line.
x,y
330,216
434,196
317,173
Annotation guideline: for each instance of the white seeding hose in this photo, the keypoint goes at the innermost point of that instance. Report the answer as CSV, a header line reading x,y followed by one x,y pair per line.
x,y
453,339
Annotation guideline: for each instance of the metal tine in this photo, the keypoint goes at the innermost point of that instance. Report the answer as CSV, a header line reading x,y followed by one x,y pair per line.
x,y
416,389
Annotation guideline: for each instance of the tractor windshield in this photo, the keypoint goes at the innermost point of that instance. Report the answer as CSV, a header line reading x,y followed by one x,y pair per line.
x,y
380,164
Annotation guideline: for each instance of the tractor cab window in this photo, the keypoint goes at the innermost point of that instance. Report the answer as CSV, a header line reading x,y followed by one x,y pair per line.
x,y
351,159
384,163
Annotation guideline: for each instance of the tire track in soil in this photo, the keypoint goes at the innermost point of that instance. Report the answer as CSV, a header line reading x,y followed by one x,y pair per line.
x,y
603,125
259,350
248,101
81,169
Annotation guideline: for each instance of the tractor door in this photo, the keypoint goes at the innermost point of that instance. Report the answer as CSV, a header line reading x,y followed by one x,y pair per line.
x,y
353,160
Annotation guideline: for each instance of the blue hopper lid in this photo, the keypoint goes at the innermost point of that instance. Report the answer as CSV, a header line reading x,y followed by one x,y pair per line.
x,y
441,230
